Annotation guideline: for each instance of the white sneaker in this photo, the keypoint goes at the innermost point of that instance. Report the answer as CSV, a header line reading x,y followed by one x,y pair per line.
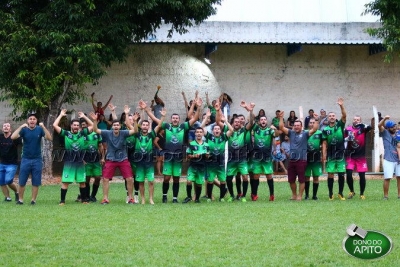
x,y
136,199
127,199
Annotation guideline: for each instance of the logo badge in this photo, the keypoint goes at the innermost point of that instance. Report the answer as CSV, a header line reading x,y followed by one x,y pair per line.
x,y
366,245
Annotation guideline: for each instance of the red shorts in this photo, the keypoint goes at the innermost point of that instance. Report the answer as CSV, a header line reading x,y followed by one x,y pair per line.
x,y
297,168
360,164
124,167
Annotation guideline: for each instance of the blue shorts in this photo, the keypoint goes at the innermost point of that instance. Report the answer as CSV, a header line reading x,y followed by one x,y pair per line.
x,y
7,173
33,167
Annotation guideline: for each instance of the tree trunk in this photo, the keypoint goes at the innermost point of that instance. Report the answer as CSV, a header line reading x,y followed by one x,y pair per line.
x,y
47,172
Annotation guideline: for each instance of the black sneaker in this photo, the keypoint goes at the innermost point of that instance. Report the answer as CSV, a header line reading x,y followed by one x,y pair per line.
x,y
175,200
19,203
306,198
197,201
33,202
8,199
205,196
314,198
93,199
164,199
78,198
187,200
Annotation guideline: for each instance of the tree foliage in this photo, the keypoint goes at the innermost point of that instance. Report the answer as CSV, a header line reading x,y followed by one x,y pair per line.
x,y
389,32
49,49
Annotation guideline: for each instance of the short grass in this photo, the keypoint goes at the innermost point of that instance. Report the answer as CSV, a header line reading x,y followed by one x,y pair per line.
x,y
262,233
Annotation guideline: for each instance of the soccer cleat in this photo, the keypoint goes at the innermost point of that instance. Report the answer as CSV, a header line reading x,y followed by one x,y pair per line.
x,y
340,196
385,198
271,198
243,199
62,203
104,202
33,202
8,199
175,200
230,199
127,199
164,199
136,199
351,195
306,197
93,199
331,197
205,196
19,203
239,196
131,201
362,197
314,198
187,200
254,197
197,201
78,198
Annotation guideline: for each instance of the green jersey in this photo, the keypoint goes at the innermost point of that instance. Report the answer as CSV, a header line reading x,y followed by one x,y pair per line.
x,y
334,137
263,140
217,148
74,145
91,147
314,147
144,147
237,146
174,137
202,149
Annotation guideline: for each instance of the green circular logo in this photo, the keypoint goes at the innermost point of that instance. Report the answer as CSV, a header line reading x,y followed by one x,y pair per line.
x,y
373,246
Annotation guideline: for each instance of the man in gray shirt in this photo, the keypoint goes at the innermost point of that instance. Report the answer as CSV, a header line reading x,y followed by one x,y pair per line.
x,y
298,153
116,156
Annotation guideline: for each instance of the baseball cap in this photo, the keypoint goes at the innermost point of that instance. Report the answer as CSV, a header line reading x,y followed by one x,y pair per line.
x,y
390,124
32,114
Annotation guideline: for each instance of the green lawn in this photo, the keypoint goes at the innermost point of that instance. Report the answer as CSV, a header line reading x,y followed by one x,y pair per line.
x,y
262,233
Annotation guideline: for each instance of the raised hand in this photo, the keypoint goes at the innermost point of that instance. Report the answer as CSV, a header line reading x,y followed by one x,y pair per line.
x,y
340,101
111,107
127,109
163,112
93,116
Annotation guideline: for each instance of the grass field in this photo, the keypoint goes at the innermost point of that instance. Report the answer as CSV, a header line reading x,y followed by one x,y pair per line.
x,y
262,233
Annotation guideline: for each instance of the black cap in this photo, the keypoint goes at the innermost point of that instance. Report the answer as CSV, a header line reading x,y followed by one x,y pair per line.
x,y
33,114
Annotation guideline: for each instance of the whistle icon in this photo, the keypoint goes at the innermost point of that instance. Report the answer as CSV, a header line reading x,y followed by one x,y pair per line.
x,y
353,230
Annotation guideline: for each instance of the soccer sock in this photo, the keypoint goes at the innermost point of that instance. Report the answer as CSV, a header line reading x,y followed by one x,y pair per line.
x,y
95,189
136,187
315,189
350,182
229,184
252,186
307,188
209,190
256,182
197,189
271,186
222,190
238,184
189,190
63,194
245,187
165,188
363,182
84,197
175,190
341,182
330,186
87,189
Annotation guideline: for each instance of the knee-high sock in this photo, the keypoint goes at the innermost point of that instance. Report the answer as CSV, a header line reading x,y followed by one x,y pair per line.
x,y
84,197
94,190
175,190
222,190
330,186
245,187
349,178
87,189
315,189
63,194
307,188
271,186
363,182
229,184
341,182
252,186
136,187
165,188
238,184
197,190
189,190
209,190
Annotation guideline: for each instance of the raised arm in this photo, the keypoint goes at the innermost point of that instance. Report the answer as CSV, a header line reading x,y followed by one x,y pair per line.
x,y
185,100
281,123
342,109
108,102
111,107
82,115
316,125
250,108
15,134
381,124
128,123
203,123
62,114
219,115
143,106
47,134
199,103
226,122
92,100
163,114
93,116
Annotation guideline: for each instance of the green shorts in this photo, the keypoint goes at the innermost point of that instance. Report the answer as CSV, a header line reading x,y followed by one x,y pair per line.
x,y
144,171
172,167
313,169
197,175
216,171
93,169
262,167
235,167
335,165
73,172
133,167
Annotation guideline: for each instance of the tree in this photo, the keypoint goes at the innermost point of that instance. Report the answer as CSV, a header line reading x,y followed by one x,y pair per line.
x,y
389,32
49,49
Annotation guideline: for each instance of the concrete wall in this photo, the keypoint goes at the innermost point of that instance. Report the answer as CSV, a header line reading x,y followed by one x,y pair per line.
x,y
264,74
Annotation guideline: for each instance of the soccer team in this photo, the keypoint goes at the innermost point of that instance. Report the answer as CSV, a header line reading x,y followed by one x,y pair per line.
x,y
96,153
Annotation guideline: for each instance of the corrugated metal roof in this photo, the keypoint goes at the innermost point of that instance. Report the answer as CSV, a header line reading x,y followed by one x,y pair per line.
x,y
270,33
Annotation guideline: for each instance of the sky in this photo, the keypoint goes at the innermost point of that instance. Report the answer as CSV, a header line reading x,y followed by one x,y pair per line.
x,y
293,11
